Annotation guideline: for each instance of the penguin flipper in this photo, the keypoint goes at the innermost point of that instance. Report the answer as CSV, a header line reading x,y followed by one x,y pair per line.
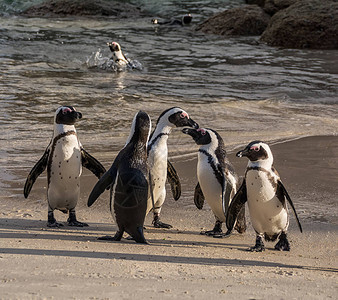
x,y
92,164
174,181
282,190
236,205
106,180
39,167
199,197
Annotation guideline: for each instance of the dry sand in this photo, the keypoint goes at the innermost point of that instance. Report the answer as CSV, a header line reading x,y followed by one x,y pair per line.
x,y
70,263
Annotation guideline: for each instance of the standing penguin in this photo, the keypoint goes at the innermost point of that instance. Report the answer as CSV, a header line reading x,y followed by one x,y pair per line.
x,y
159,165
118,57
128,182
265,194
217,180
64,158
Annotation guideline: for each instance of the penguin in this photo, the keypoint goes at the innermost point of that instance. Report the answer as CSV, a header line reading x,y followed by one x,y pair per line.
x,y
118,57
265,194
64,158
217,180
127,179
185,20
160,167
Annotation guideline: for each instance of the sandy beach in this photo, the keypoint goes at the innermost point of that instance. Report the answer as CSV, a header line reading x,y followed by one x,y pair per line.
x,y
70,263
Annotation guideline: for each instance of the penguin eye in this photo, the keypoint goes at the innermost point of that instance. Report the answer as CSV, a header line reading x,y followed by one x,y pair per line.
x,y
255,148
66,110
184,115
202,131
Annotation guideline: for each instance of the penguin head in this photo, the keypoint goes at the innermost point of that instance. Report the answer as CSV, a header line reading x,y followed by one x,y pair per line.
x,y
140,128
177,117
256,151
186,19
201,136
67,115
115,48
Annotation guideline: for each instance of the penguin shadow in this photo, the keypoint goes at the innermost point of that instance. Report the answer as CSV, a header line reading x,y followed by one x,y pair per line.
x,y
37,229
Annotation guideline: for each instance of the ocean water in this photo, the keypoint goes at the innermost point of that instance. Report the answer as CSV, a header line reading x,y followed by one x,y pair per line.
x,y
243,89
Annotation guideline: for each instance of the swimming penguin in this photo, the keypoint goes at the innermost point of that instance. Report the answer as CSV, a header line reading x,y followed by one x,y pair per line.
x,y
159,165
217,180
186,19
118,57
265,194
64,158
128,182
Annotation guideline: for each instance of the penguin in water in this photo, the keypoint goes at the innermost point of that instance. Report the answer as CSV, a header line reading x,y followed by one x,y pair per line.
x,y
118,57
186,19
266,195
64,158
127,179
217,180
160,167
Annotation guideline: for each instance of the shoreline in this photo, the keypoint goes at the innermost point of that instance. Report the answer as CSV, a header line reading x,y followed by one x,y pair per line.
x,y
70,263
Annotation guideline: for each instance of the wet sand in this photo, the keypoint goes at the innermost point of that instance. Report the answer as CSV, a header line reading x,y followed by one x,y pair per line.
x,y
70,263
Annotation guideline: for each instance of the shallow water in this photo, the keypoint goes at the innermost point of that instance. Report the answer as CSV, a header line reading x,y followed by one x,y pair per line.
x,y
243,89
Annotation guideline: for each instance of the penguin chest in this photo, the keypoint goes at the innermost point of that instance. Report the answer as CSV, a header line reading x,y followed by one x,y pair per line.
x,y
157,159
266,211
65,171
211,188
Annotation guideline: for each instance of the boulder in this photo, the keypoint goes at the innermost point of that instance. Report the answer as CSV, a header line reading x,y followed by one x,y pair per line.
x,y
243,20
62,8
272,6
305,24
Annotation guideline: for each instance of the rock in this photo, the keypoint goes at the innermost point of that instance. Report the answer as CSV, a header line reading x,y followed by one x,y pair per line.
x,y
272,6
305,24
243,20
62,8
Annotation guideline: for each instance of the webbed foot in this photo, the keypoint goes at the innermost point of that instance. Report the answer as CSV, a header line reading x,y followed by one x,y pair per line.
x,y
216,231
159,224
76,223
259,246
283,243
222,235
54,224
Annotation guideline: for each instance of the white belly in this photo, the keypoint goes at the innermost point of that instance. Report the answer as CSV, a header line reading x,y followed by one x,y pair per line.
x,y
157,160
266,211
211,188
65,172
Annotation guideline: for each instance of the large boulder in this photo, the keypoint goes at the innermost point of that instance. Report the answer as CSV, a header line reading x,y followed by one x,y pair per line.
x,y
62,8
243,20
305,24
272,6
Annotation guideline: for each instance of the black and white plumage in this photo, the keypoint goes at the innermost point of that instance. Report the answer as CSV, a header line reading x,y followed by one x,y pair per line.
x,y
266,196
117,55
128,182
217,180
160,167
185,20
63,158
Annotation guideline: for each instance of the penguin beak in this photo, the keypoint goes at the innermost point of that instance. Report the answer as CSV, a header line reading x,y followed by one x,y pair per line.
x,y
193,124
78,115
192,132
242,153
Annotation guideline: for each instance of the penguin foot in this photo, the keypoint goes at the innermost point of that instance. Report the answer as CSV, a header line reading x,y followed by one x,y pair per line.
x,y
159,224
54,224
259,246
76,223
212,232
222,235
283,243
106,238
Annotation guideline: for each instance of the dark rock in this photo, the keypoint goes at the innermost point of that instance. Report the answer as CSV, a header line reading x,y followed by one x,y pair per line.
x,y
244,20
305,24
273,6
62,8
